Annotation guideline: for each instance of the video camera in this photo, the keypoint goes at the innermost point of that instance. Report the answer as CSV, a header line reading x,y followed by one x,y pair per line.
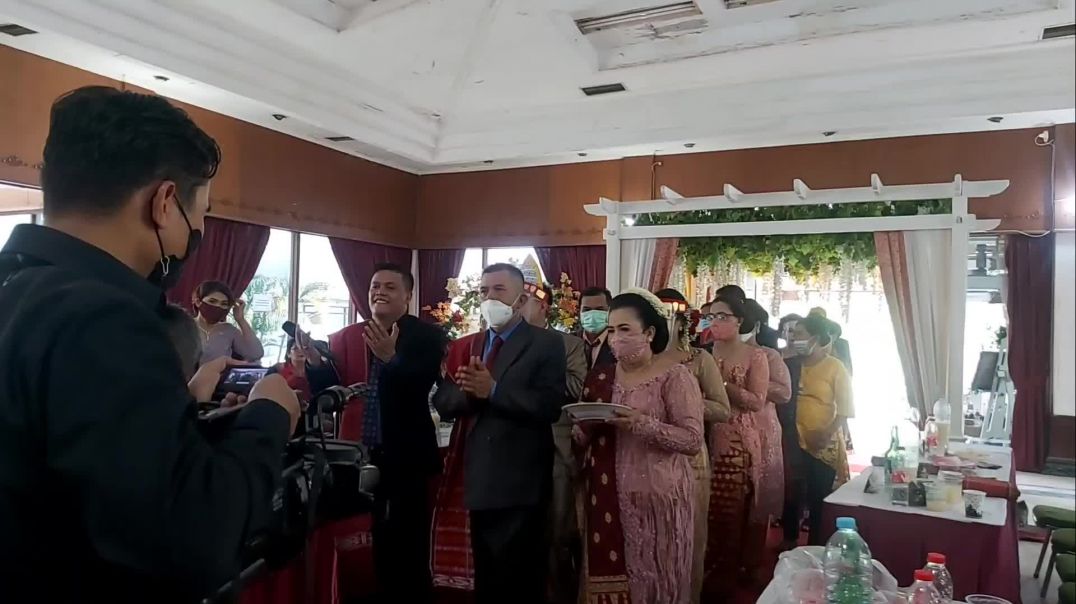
x,y
324,479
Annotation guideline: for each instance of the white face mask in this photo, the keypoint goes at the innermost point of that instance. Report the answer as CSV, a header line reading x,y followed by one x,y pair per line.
x,y
497,314
746,337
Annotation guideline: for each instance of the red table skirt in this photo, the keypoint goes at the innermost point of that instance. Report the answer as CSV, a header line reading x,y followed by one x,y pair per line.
x,y
982,559
343,568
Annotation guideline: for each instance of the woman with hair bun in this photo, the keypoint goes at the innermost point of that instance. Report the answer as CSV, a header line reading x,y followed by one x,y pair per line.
x,y
639,487
715,409
735,450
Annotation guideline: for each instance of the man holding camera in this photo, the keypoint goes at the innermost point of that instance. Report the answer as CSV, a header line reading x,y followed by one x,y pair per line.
x,y
108,491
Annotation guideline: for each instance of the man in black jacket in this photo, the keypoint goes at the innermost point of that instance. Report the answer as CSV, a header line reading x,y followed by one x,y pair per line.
x,y
399,356
108,491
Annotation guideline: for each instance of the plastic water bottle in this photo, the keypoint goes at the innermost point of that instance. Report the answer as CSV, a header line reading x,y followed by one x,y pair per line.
x,y
849,569
923,590
943,581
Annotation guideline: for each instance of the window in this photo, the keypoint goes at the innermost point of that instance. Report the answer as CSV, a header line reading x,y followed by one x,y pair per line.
x,y
523,257
476,258
268,295
324,301
9,222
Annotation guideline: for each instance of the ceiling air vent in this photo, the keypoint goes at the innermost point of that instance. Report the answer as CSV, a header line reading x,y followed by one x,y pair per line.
x,y
339,139
652,14
1059,31
14,29
743,3
603,89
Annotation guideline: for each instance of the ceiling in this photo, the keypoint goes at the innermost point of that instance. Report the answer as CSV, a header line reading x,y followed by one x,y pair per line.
x,y
446,85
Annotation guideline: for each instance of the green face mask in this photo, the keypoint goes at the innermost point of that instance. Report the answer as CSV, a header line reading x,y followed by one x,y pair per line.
x,y
595,321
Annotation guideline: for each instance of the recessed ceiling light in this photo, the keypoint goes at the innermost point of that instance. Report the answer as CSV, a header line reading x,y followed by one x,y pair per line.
x,y
829,133
689,145
279,117
996,119
161,78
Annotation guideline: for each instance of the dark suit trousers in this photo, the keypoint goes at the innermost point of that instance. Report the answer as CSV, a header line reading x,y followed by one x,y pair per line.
x,y
510,554
402,543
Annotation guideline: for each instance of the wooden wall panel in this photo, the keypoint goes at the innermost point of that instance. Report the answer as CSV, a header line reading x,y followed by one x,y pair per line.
x,y
524,206
455,204
266,177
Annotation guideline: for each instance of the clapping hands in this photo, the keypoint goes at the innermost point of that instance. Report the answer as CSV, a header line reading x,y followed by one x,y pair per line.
x,y
475,379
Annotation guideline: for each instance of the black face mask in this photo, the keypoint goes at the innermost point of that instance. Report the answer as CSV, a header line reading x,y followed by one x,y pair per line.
x,y
167,272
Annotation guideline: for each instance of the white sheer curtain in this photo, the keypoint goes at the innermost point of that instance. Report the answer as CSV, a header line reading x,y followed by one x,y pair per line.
x,y
914,267
636,262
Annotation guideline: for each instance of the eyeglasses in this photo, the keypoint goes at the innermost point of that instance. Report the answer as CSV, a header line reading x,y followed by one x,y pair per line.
x,y
721,316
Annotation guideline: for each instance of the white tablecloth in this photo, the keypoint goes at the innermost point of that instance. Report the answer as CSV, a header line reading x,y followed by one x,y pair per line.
x,y
995,509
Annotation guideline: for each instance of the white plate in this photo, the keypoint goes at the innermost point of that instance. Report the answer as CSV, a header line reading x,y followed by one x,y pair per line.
x,y
582,412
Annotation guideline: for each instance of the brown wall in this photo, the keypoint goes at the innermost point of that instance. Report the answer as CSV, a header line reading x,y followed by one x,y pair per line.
x,y
266,177
544,205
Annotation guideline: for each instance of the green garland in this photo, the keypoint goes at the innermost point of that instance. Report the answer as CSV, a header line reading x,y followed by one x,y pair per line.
x,y
804,256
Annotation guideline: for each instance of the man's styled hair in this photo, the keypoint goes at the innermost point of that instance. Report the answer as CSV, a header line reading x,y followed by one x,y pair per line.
x,y
597,291
104,144
504,267
392,267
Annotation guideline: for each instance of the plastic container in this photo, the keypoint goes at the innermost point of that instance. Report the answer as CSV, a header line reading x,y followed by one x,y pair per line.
x,y
954,486
923,590
943,421
848,566
931,439
937,496
943,581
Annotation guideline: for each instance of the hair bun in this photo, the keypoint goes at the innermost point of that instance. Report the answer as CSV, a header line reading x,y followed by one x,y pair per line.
x,y
651,299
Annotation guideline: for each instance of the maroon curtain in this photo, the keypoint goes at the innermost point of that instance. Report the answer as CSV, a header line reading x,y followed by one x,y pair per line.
x,y
357,260
584,264
435,268
1030,261
664,262
230,253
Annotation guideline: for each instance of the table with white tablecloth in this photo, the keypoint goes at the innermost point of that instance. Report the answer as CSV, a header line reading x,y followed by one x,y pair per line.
x,y
982,552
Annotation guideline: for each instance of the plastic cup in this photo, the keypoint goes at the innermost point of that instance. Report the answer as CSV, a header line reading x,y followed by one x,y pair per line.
x,y
937,496
973,503
954,483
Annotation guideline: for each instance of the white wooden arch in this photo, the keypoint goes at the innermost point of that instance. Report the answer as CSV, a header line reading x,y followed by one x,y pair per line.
x,y
958,221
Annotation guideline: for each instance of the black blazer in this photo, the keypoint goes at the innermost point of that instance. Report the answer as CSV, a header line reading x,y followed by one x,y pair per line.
x,y
408,435
508,460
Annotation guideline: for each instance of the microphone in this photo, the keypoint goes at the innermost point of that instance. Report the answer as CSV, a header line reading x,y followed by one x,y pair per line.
x,y
291,329
334,398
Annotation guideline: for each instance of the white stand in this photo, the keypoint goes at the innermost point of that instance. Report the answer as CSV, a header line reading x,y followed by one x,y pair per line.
x,y
997,423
